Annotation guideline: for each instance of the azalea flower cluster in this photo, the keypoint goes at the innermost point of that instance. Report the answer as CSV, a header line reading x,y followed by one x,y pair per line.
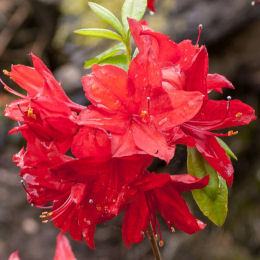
x,y
85,165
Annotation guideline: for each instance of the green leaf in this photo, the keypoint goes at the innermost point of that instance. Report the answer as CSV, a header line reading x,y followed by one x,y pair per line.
x,y
107,16
226,148
97,32
213,199
117,60
133,9
106,54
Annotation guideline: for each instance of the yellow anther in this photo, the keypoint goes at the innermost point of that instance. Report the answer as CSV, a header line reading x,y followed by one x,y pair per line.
x,y
45,221
156,237
45,212
231,133
7,73
6,88
173,229
98,208
161,243
43,216
106,207
114,200
239,114
50,214
30,113
144,113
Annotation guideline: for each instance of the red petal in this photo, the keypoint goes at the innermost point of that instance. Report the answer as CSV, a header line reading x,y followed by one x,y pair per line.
x,y
52,88
215,155
91,142
217,82
88,234
113,123
124,145
165,49
197,73
175,211
136,220
186,182
187,53
16,109
144,75
175,108
14,256
63,249
150,5
153,181
222,114
28,79
151,141
106,88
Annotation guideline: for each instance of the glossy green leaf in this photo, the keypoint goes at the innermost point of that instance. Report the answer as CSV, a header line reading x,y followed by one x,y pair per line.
x,y
106,54
133,9
106,16
97,32
229,152
213,199
117,60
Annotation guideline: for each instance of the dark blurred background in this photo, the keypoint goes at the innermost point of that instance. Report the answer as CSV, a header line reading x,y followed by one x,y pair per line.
x,y
232,35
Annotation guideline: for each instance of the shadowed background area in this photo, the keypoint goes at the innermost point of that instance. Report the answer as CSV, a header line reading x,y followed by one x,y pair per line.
x,y
231,34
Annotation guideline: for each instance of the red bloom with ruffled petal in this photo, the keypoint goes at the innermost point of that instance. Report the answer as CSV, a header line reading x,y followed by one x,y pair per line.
x,y
186,68
135,108
162,193
45,110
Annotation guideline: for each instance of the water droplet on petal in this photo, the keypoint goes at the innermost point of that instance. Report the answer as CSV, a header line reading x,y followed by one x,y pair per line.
x,y
90,201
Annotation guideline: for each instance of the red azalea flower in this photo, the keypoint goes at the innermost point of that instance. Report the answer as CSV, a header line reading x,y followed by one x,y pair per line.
x,y
135,108
46,109
162,193
98,196
81,192
150,5
185,67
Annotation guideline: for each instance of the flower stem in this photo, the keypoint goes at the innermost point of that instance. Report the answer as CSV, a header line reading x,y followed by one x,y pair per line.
x,y
155,248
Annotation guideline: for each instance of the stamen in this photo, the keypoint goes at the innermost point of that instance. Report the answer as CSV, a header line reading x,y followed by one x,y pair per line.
x,y
239,114
231,133
144,115
6,72
161,243
98,208
229,98
8,89
200,30
31,114
45,221
172,229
